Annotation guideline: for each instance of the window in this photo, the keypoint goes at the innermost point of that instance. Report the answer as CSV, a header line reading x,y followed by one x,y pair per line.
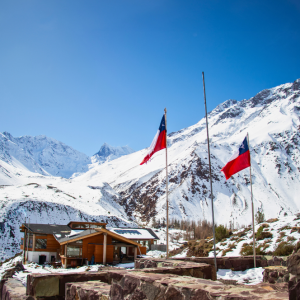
x,y
41,244
30,242
74,249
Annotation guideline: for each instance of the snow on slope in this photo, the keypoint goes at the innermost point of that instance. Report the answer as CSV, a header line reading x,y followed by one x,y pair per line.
x,y
42,155
108,153
54,200
272,120
48,156
285,229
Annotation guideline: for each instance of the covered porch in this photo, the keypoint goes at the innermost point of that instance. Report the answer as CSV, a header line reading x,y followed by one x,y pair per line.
x,y
98,246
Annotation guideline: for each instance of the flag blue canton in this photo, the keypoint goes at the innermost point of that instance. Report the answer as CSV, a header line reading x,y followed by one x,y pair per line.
x,y
244,146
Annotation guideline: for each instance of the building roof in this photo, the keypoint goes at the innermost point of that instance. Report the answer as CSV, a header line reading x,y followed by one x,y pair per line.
x,y
63,230
135,233
75,235
91,232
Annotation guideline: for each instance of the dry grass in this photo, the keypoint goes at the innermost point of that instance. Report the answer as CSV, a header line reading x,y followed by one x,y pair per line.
x,y
291,239
295,229
247,249
272,220
284,249
261,234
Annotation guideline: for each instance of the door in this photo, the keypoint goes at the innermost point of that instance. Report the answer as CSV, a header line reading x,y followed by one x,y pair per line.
x,y
42,259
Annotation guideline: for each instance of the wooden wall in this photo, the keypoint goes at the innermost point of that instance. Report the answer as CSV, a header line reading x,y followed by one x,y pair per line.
x,y
143,250
52,244
90,247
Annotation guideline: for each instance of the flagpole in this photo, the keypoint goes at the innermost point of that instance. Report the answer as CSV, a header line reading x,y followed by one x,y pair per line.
x,y
167,190
253,226
211,189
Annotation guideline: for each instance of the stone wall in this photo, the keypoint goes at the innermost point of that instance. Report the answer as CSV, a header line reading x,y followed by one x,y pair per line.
x,y
178,267
293,265
53,285
153,279
238,263
92,290
12,289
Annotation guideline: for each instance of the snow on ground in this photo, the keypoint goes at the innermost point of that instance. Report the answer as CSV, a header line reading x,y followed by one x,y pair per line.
x,y
125,265
156,254
249,277
35,268
280,230
175,237
182,254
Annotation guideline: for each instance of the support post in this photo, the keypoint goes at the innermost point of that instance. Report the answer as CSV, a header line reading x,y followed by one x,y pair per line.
x,y
253,225
135,255
104,247
24,243
211,189
66,245
28,235
167,190
33,242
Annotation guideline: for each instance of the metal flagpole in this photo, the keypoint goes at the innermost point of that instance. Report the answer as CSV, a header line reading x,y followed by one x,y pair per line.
x,y
28,235
211,189
24,242
167,190
253,226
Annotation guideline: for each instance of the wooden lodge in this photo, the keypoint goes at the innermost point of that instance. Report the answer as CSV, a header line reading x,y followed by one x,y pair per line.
x,y
81,243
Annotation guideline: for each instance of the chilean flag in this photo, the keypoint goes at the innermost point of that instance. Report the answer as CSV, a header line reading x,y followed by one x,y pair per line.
x,y
239,161
159,142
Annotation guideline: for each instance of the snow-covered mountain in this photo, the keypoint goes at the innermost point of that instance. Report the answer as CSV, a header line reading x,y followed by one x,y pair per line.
x,y
42,155
272,120
108,153
53,200
121,188
47,156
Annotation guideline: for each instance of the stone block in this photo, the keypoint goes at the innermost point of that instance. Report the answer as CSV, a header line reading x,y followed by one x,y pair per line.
x,y
13,289
178,267
275,274
53,285
294,290
90,290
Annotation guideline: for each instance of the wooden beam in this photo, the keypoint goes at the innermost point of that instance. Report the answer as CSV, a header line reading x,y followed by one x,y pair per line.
x,y
135,255
24,248
65,256
104,247
33,242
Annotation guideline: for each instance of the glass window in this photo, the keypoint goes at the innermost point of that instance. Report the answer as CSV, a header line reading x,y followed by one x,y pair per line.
x,y
74,250
41,244
30,242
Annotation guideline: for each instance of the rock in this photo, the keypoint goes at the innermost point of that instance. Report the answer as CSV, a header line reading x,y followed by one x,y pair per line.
x,y
13,289
275,274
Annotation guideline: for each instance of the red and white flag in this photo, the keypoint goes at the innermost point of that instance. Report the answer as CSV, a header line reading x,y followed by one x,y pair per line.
x,y
159,142
239,161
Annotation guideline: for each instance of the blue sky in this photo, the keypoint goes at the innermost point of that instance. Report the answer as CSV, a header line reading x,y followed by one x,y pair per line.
x,y
89,72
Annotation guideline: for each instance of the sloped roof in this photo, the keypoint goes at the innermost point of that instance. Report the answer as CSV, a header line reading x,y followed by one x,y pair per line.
x,y
63,230
92,232
136,233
